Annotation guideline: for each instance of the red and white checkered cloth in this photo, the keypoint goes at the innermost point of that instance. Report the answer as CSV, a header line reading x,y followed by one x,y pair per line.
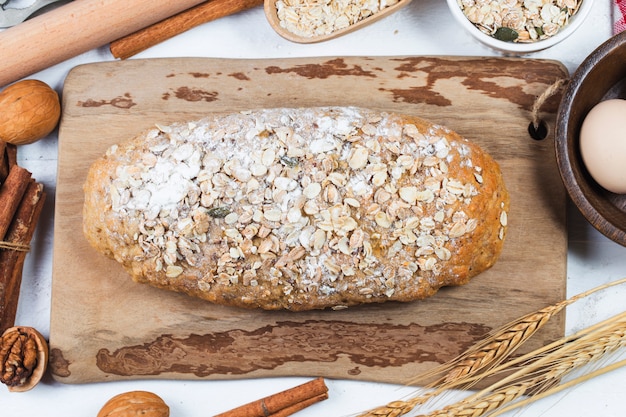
x,y
619,16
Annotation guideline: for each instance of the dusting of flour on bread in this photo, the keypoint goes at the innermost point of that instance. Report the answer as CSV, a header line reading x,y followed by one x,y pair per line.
x,y
299,208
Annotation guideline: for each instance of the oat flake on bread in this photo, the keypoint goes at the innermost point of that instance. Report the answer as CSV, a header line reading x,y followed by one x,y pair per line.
x,y
298,208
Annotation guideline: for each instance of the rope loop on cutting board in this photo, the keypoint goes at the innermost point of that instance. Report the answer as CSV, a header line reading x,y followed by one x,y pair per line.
x,y
538,129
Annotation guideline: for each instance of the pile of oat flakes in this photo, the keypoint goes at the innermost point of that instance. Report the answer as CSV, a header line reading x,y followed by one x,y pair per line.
x,y
315,18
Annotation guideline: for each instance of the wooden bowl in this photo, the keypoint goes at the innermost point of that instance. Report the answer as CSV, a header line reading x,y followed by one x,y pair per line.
x,y
601,76
272,16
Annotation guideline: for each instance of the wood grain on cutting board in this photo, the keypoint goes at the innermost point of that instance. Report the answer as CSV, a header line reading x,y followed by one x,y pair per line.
x,y
105,327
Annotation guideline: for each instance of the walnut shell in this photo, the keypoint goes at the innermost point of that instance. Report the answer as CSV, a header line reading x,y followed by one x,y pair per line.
x,y
135,403
30,111
41,356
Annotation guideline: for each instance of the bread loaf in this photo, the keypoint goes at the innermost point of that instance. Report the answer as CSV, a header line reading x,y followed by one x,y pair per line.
x,y
298,209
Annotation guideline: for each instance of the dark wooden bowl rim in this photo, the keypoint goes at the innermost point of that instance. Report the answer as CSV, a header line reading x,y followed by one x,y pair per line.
x,y
602,75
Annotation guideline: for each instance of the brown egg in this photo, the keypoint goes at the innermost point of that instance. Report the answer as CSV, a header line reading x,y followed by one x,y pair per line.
x,y
603,144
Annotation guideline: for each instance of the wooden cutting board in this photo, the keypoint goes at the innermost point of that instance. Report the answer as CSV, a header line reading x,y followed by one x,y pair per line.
x,y
105,327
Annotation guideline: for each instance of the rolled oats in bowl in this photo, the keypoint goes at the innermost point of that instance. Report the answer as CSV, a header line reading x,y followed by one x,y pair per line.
x,y
520,25
306,18
519,20
308,21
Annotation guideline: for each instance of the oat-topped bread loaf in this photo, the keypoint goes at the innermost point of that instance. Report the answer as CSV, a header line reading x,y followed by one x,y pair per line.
x,y
298,209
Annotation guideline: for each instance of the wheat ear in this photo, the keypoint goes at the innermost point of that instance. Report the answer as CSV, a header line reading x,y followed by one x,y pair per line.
x,y
544,373
499,344
539,356
486,354
529,357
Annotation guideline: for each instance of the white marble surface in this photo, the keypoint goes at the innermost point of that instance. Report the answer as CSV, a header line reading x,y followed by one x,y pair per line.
x,y
425,27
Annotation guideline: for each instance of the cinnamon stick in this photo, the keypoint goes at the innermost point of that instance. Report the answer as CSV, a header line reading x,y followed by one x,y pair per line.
x,y
20,233
11,193
152,35
8,158
287,411
283,403
4,164
11,155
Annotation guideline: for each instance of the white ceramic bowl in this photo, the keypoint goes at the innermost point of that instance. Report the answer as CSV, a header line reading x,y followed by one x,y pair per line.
x,y
517,48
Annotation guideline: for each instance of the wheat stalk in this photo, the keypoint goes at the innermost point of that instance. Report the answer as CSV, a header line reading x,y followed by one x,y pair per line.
x,y
544,373
580,336
498,345
479,360
561,387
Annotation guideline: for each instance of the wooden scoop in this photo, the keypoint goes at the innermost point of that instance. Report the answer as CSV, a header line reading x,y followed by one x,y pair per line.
x,y
271,13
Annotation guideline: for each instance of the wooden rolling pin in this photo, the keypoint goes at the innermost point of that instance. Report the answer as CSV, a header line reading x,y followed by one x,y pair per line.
x,y
145,38
75,28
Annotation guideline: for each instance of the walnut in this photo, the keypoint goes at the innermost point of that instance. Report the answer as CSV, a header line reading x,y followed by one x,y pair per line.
x,y
23,358
135,403
30,111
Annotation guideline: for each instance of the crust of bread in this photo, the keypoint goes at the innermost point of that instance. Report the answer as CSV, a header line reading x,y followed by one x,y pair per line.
x,y
298,208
